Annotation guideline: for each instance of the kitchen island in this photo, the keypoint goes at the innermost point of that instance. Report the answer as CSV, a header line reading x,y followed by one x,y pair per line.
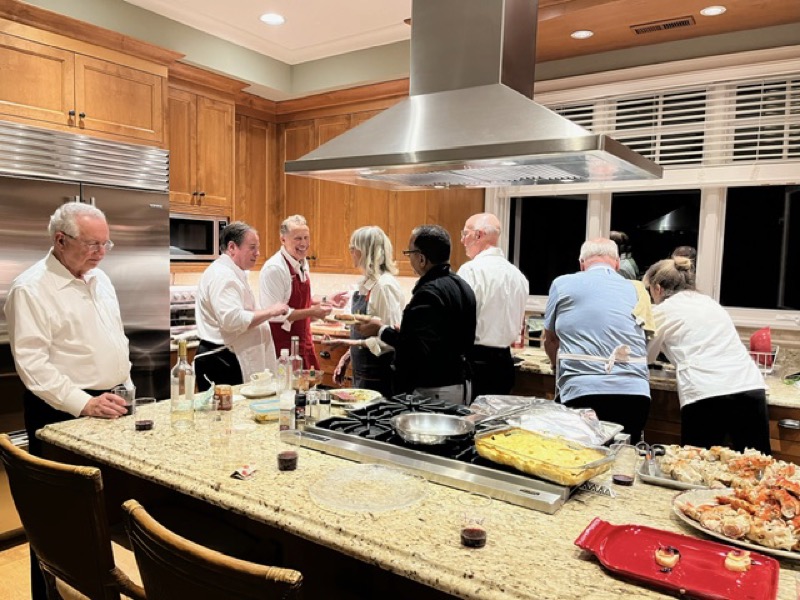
x,y
412,552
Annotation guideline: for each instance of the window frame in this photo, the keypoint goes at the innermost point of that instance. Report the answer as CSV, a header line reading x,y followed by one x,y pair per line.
x,y
712,181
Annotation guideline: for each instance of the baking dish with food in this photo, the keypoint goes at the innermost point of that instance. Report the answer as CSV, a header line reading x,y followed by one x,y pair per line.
x,y
549,457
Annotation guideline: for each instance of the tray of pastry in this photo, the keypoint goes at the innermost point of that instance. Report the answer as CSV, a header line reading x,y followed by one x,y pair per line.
x,y
682,564
549,457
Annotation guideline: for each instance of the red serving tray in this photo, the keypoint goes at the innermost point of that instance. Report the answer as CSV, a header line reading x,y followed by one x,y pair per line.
x,y
700,572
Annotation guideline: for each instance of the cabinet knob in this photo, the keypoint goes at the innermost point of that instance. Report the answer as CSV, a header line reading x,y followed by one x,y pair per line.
x,y
314,257
82,115
325,354
789,424
202,194
71,113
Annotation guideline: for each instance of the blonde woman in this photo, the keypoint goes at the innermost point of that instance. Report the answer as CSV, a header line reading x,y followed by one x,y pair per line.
x,y
378,295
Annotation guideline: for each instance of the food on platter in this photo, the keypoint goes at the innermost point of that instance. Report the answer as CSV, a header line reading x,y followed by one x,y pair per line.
x,y
717,467
353,395
738,560
766,515
667,556
550,457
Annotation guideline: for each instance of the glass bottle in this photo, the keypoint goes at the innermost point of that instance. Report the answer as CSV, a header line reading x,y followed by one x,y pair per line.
x,y
284,375
182,391
295,362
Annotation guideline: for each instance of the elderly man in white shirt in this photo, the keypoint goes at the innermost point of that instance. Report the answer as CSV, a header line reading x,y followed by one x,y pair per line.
x,y
66,332
501,291
285,278
235,340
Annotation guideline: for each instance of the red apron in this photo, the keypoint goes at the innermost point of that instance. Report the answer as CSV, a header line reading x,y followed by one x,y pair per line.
x,y
299,298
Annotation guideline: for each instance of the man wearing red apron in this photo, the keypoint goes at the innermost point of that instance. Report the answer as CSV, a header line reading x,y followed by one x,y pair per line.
x,y
285,275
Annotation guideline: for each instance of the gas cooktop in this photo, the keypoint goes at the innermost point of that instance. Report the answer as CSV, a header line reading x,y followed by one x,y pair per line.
x,y
366,435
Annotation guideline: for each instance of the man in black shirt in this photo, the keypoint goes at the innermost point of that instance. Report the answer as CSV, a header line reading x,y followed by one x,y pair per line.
x,y
438,325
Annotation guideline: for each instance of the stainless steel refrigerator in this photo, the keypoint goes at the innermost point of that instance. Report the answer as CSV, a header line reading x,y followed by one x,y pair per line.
x,y
41,170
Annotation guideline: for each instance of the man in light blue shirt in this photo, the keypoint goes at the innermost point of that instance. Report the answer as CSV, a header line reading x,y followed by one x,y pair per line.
x,y
595,342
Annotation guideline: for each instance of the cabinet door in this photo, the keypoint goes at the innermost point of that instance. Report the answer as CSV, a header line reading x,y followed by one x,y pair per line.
x,y
409,210
215,142
118,99
450,209
299,192
333,209
252,156
37,81
182,143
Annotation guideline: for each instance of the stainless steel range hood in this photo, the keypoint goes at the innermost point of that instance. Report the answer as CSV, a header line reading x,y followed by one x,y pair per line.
x,y
469,120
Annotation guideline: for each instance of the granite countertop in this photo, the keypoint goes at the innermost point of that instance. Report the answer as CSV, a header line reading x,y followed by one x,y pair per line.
x,y
528,555
778,393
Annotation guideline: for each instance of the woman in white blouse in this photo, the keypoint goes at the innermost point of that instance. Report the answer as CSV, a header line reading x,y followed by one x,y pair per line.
x,y
379,295
721,390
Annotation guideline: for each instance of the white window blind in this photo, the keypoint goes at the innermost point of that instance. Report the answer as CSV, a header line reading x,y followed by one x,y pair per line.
x,y
724,123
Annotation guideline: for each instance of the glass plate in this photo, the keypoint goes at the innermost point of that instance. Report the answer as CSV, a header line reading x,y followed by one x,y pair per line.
x,y
708,496
368,489
342,396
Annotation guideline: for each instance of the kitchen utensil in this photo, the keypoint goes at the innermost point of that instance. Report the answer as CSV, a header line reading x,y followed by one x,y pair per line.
x,y
700,572
649,453
429,428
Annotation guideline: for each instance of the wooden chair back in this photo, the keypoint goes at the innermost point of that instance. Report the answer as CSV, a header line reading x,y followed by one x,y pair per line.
x,y
63,512
173,567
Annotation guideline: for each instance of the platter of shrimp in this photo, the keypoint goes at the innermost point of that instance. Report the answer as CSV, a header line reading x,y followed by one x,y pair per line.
x,y
764,515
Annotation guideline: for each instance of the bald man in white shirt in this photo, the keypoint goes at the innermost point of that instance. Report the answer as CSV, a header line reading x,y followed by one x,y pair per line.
x,y
501,291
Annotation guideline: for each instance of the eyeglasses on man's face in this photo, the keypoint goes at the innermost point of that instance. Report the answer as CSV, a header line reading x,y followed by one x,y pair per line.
x,y
92,246
466,232
410,252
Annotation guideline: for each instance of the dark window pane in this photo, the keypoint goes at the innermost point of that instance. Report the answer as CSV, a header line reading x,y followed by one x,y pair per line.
x,y
682,148
761,255
637,113
682,108
656,222
550,233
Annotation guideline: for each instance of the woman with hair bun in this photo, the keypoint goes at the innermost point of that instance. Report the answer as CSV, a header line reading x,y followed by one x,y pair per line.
x,y
721,391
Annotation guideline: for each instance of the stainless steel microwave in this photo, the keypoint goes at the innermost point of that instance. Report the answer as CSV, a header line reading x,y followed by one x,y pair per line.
x,y
195,237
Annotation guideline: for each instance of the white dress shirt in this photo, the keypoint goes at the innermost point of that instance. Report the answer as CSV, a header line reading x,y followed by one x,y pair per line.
x,y
66,334
501,292
700,339
386,300
220,302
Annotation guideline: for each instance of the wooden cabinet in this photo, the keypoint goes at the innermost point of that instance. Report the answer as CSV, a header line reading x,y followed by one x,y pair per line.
x,y
335,210
784,441
201,144
255,184
328,359
51,86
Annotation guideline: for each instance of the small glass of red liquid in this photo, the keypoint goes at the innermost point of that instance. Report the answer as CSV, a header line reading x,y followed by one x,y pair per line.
x,y
474,509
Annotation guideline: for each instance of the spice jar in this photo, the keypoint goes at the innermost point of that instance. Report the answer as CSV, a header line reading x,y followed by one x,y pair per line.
x,y
223,397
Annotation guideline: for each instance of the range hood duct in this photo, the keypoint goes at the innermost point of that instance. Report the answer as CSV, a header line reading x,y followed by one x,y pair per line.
x,y
469,120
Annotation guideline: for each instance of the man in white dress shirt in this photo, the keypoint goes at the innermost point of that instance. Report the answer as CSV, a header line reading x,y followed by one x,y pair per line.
x,y
235,340
66,332
501,291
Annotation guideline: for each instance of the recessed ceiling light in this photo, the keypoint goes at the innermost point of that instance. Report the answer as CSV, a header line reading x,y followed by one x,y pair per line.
x,y
581,34
272,19
713,11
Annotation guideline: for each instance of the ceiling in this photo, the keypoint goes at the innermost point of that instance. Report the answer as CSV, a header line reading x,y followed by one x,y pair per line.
x,y
316,29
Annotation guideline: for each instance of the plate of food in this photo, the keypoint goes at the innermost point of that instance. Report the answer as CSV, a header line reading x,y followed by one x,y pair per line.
x,y
729,515
344,396
348,318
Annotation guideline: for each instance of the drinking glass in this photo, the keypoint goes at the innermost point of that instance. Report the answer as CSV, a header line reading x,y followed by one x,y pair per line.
x,y
474,511
144,411
127,394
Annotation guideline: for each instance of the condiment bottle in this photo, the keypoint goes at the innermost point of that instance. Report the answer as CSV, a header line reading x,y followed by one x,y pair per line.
x,y
223,396
299,408
295,363
324,405
284,375
181,394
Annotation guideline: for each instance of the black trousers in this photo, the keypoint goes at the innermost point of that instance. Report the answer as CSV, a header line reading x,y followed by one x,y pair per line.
x,y
220,367
492,370
736,420
629,411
